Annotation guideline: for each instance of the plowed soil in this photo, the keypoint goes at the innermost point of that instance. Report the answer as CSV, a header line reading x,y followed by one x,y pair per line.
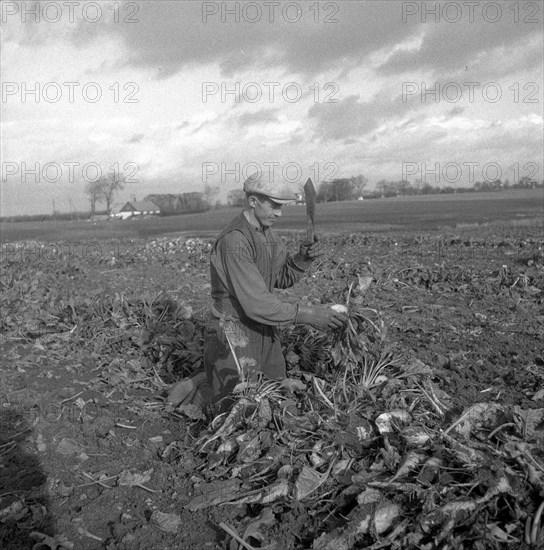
x,y
83,378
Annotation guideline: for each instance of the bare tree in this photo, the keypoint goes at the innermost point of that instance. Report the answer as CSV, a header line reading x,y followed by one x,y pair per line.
x,y
210,192
405,187
236,197
109,185
359,183
381,186
94,190
342,189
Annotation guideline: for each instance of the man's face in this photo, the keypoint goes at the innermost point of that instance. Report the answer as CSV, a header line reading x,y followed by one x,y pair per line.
x,y
266,210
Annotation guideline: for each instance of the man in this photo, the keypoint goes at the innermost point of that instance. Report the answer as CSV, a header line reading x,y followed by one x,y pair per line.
x,y
249,260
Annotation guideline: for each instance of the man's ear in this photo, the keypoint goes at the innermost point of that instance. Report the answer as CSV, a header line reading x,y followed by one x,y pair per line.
x,y
251,201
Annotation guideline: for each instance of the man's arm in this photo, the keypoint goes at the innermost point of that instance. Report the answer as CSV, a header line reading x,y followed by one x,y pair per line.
x,y
289,274
246,283
294,267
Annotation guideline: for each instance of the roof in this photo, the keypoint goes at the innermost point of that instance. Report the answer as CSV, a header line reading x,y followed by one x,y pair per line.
x,y
116,208
141,206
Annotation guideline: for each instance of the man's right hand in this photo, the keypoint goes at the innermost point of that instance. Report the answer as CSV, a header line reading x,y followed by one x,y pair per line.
x,y
319,317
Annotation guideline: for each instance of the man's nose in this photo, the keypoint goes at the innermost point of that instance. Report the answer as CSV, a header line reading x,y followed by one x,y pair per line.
x,y
277,213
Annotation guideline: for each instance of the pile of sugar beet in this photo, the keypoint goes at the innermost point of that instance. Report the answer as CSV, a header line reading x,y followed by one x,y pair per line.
x,y
363,444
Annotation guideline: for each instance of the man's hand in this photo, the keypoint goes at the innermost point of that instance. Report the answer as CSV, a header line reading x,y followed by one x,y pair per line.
x,y
311,251
319,317
308,252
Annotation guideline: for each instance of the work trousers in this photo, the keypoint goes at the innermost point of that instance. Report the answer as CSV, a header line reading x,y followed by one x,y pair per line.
x,y
261,354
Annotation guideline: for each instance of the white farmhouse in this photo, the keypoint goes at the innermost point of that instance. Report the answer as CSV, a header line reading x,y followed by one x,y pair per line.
x,y
134,208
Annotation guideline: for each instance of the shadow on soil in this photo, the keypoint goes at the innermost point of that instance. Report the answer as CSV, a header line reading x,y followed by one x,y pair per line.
x,y
23,500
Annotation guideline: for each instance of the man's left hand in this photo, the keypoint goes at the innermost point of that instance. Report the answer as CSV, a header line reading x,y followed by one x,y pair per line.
x,y
311,251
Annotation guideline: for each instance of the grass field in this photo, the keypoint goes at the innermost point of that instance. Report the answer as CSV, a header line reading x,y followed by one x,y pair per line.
x,y
424,213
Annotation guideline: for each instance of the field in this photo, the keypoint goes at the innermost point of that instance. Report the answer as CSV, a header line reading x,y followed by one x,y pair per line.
x,y
429,212
421,429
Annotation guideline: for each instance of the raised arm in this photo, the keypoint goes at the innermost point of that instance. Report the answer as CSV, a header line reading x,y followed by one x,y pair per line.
x,y
244,281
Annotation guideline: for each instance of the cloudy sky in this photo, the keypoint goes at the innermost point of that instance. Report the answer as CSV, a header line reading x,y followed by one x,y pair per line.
x,y
173,95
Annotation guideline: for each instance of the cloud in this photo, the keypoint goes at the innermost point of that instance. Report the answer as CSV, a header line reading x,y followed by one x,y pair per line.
x,y
350,118
342,120
451,47
136,138
262,116
455,112
171,36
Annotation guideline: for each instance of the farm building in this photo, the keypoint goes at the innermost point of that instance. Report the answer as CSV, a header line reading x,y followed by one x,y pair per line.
x,y
135,208
115,210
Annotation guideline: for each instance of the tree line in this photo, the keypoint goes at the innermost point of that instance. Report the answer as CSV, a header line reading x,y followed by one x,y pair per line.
x,y
345,189
103,191
355,187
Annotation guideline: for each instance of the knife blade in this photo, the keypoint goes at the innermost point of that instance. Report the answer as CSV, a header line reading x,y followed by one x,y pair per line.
x,y
309,196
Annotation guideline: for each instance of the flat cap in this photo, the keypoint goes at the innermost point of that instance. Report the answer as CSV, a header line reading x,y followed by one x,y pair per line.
x,y
276,191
